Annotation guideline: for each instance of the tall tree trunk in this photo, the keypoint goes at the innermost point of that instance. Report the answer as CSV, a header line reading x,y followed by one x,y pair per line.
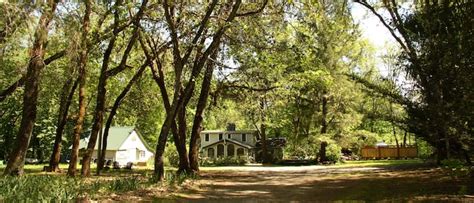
x,y
82,64
118,101
405,135
30,96
179,63
159,170
263,133
324,106
98,119
197,122
66,99
104,75
158,76
394,130
181,142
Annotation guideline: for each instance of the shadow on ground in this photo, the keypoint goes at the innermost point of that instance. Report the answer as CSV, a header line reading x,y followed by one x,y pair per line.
x,y
418,182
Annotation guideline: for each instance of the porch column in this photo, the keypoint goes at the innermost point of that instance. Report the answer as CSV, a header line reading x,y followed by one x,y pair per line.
x,y
215,151
225,150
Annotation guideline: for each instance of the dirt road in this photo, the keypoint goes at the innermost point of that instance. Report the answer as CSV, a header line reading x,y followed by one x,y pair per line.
x,y
311,183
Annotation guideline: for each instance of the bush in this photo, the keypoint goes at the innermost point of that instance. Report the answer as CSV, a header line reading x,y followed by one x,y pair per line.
x,y
171,156
224,161
333,153
455,168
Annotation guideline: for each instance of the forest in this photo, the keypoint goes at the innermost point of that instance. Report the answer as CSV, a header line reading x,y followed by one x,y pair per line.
x,y
301,71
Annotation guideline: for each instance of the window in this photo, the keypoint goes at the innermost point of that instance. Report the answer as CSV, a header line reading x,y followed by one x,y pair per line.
x,y
230,150
210,152
220,136
244,137
142,154
228,136
206,138
220,150
240,152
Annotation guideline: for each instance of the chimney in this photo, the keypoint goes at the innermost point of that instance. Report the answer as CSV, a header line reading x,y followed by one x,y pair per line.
x,y
230,127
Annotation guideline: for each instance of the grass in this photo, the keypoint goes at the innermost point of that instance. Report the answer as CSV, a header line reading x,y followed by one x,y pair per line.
x,y
61,188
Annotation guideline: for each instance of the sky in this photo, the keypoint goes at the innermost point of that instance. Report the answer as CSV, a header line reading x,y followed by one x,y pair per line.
x,y
374,31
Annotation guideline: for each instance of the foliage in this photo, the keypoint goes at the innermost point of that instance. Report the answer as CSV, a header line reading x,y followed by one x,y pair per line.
x,y
60,188
124,184
224,161
171,157
41,188
436,56
455,168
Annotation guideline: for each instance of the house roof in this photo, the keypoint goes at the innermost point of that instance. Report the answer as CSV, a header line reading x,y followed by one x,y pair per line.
x,y
228,132
230,140
117,136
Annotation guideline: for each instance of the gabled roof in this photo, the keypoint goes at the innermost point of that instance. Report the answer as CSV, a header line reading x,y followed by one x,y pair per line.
x,y
228,132
117,136
231,141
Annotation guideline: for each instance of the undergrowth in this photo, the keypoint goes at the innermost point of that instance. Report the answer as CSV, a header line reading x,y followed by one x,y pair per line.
x,y
38,188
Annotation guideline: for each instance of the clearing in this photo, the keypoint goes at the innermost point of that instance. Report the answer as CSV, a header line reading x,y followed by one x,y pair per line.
x,y
364,180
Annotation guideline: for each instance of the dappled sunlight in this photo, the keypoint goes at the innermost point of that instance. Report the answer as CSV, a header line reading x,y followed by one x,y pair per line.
x,y
323,182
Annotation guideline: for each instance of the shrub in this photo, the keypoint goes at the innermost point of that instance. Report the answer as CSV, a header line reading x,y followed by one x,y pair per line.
x,y
46,188
224,161
455,168
333,153
124,184
171,156
40,188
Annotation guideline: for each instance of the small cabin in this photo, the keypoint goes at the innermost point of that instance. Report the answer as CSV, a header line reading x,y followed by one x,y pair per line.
x,y
124,144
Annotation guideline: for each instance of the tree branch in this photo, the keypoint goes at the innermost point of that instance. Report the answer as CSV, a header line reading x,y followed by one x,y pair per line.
x,y
382,20
254,12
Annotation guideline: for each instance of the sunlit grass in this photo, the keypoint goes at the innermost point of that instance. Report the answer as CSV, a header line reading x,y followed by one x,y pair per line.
x,y
369,163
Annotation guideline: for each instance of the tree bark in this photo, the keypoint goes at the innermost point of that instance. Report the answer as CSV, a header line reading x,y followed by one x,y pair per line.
x,y
324,106
179,62
82,64
181,142
263,133
30,96
66,99
116,105
405,135
197,122
101,88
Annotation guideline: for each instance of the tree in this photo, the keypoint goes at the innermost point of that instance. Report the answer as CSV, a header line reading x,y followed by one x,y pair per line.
x,y
82,64
106,73
181,59
35,65
438,103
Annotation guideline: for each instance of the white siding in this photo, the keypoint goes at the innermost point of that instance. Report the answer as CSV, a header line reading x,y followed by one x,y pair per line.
x,y
251,139
130,150
109,155
235,135
213,137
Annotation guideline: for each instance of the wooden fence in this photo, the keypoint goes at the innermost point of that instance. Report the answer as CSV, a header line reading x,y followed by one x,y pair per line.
x,y
388,152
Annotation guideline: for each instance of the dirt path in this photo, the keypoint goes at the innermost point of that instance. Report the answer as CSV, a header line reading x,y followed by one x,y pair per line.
x,y
310,183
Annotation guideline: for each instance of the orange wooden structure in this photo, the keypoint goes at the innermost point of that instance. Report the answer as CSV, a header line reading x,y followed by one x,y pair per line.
x,y
388,152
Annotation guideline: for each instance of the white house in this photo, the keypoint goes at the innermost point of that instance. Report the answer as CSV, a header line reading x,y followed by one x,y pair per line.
x,y
124,144
221,143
